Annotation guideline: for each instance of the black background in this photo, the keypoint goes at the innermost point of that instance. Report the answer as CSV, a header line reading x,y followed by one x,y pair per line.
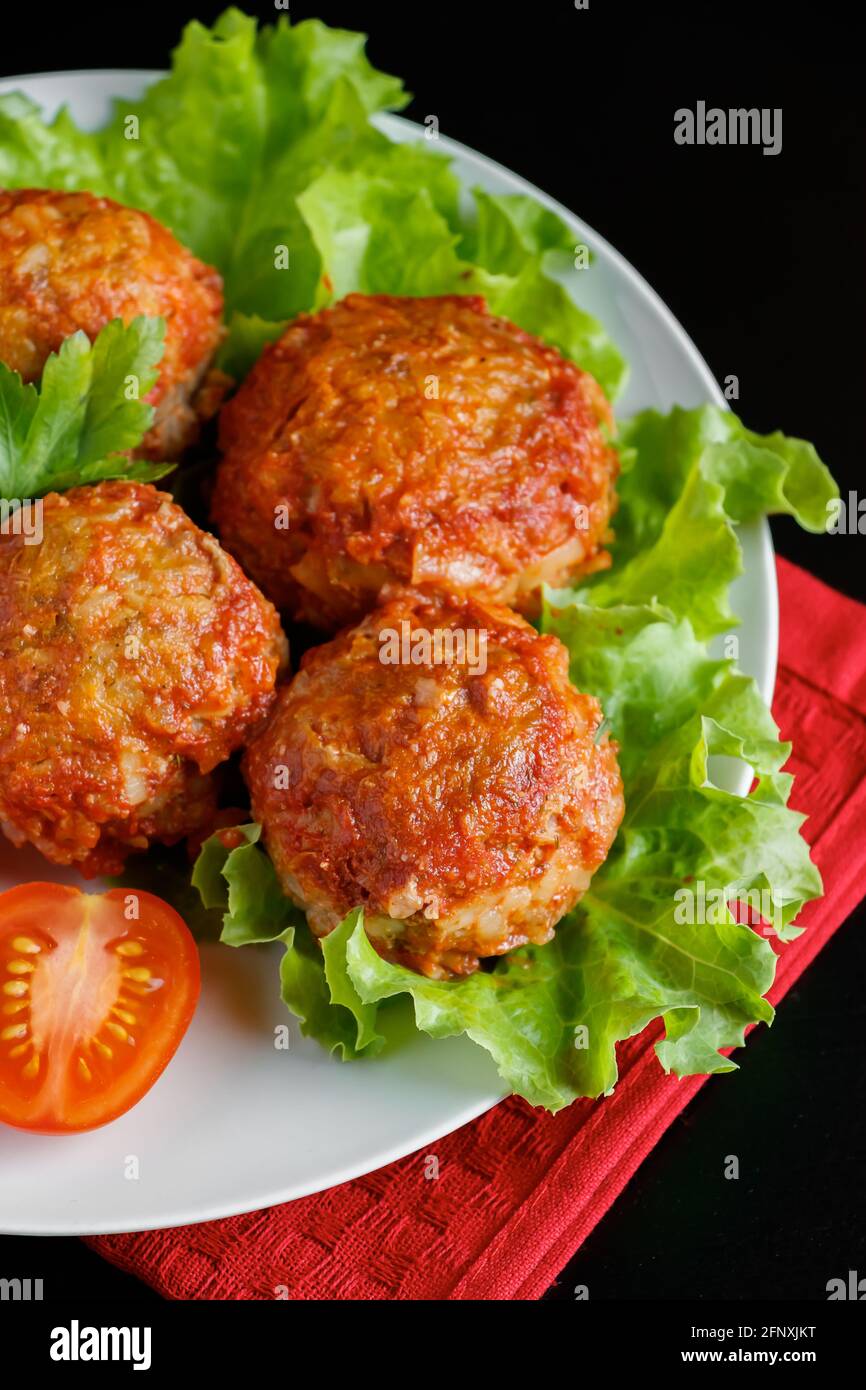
x,y
762,261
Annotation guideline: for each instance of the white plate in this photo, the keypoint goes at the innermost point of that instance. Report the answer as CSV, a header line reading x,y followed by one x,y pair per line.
x,y
234,1124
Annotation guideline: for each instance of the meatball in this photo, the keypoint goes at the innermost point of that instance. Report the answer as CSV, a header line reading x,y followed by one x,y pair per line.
x,y
71,261
435,766
418,441
134,657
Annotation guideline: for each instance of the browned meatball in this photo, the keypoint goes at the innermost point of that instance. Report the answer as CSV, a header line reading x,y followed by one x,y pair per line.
x,y
463,803
71,261
417,440
134,657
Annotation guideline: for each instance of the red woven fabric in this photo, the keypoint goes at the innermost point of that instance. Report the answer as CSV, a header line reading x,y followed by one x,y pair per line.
x,y
519,1190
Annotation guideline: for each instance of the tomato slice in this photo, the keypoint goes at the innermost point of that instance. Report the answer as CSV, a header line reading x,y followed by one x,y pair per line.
x,y
96,992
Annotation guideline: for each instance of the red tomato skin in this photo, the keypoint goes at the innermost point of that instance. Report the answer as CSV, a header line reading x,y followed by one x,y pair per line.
x,y
154,916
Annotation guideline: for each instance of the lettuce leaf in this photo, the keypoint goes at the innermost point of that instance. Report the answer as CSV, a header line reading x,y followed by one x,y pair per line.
x,y
235,876
689,477
508,229
230,151
382,237
88,409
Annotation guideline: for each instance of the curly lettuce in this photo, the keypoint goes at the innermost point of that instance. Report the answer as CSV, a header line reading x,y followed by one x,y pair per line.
x,y
236,878
259,152
689,477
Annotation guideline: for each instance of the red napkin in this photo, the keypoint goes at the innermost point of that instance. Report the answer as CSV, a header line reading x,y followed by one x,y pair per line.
x,y
519,1189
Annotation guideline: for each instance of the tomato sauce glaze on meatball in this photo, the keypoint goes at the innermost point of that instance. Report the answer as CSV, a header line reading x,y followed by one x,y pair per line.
x,y
465,809
419,441
134,657
71,261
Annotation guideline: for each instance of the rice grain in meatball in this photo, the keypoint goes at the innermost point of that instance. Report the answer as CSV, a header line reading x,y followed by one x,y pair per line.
x,y
465,809
134,657
422,441
71,261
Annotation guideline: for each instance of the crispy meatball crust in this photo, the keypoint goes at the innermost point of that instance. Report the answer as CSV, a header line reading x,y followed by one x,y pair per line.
x,y
422,441
134,657
465,812
71,261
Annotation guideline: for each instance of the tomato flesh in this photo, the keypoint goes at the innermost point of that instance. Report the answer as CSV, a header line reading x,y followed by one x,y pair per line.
x,y
96,993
